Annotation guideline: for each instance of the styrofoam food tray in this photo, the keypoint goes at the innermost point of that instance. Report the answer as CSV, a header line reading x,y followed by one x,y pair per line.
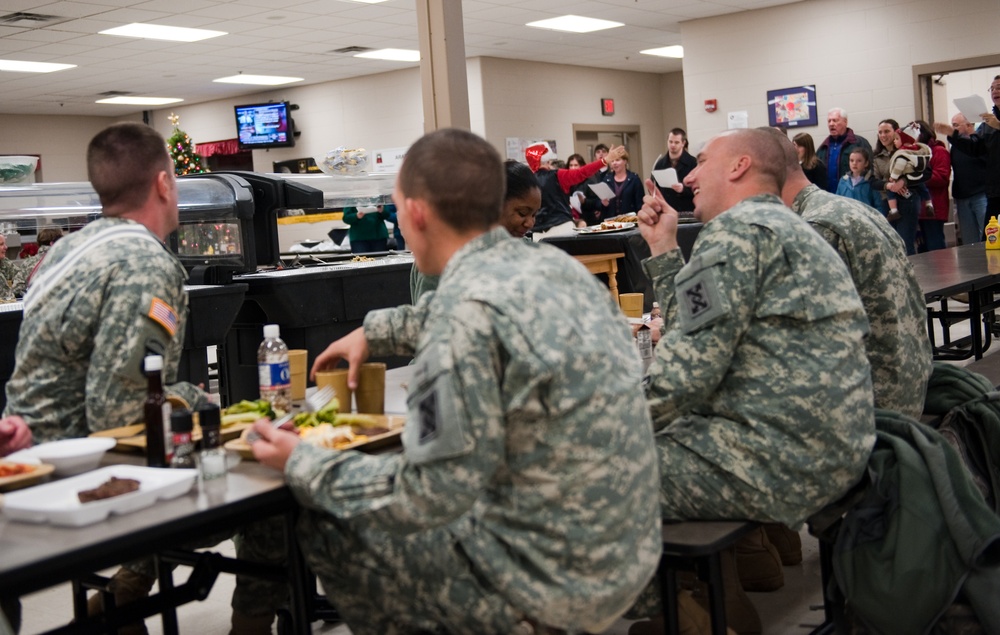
x,y
57,502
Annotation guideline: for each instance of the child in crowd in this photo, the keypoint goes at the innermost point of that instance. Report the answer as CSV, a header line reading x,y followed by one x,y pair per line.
x,y
912,160
855,184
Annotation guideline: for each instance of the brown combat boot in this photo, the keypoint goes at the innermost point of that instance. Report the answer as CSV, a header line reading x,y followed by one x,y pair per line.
x,y
758,563
127,587
692,619
788,543
243,624
741,615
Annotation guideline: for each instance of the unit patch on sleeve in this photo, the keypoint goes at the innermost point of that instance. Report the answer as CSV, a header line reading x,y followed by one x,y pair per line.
x,y
700,300
164,315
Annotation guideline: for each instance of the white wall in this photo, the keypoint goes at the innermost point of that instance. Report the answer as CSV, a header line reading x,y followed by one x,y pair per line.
x,y
61,141
543,101
673,107
965,83
858,53
375,111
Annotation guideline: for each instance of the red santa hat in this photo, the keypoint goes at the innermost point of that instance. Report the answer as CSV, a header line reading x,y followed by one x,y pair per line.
x,y
909,134
537,154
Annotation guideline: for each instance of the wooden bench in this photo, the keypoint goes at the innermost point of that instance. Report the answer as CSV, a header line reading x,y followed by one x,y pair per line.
x,y
697,545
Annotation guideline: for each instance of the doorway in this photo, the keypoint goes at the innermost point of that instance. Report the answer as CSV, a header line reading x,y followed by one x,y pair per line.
x,y
587,136
936,85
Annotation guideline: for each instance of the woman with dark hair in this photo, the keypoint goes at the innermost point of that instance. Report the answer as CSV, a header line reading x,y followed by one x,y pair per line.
x,y
932,227
814,168
905,218
522,199
575,161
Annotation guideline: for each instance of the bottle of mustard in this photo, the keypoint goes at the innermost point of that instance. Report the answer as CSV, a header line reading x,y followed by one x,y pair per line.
x,y
993,234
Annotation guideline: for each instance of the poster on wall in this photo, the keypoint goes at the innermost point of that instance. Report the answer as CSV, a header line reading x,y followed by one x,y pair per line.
x,y
792,107
515,146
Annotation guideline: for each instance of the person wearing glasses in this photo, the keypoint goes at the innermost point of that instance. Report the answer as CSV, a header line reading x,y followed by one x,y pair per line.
x,y
983,143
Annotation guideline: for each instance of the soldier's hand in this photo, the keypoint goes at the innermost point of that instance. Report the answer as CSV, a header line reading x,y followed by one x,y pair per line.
x,y
657,221
14,435
274,446
353,347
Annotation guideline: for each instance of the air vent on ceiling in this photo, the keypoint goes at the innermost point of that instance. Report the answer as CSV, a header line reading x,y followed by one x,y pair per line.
x,y
115,93
351,49
29,20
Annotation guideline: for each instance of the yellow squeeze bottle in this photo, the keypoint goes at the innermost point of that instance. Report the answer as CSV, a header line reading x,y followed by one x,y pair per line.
x,y
993,234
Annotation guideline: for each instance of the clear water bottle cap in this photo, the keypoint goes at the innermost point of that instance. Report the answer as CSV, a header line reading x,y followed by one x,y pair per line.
x,y
271,331
153,363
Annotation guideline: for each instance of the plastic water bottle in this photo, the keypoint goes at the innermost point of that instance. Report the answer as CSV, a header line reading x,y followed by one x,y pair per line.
x,y
274,375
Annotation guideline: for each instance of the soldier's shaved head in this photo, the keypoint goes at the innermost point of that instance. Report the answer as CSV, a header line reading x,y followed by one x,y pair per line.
x,y
123,161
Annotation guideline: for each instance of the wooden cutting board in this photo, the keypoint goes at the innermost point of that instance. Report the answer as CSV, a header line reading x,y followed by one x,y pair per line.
x,y
133,438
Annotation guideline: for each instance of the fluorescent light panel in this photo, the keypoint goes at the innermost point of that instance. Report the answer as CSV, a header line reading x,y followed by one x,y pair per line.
x,y
394,55
574,24
666,51
139,101
162,32
258,80
20,66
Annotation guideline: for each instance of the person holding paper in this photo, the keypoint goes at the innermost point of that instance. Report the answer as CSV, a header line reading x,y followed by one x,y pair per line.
x,y
626,187
983,143
677,195
555,218
969,187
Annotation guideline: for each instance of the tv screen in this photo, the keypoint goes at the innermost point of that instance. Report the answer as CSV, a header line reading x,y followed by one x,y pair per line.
x,y
264,126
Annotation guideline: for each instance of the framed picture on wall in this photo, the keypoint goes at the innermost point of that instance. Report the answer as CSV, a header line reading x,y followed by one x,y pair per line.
x,y
792,107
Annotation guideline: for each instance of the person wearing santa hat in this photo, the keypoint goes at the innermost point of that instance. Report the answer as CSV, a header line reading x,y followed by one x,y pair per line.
x,y
555,217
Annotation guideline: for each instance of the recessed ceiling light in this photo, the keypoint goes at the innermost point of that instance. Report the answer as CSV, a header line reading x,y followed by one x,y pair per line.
x,y
395,55
666,51
19,66
259,80
161,32
574,24
139,101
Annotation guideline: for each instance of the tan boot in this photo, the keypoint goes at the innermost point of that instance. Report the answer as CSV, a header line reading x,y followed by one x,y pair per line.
x,y
692,619
243,624
127,587
788,543
741,615
758,563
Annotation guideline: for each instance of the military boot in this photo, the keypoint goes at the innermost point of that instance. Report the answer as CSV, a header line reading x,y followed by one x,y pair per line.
x,y
243,624
692,619
786,542
741,615
127,587
758,563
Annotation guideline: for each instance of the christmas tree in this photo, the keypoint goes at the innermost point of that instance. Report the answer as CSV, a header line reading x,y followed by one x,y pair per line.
x,y
181,150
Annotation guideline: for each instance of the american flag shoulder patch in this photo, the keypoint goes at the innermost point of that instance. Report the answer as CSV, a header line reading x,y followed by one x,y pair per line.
x,y
164,315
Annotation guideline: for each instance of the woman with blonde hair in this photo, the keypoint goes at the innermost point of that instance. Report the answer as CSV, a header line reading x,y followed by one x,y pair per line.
x,y
811,164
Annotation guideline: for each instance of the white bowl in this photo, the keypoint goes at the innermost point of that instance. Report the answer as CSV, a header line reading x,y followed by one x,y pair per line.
x,y
69,456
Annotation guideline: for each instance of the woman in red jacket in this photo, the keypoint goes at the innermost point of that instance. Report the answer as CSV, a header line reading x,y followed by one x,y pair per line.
x,y
932,227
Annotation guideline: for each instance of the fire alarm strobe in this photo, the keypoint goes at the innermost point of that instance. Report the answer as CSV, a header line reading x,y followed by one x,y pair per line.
x,y
607,107
711,105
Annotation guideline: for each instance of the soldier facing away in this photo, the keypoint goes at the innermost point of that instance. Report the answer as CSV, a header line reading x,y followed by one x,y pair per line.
x,y
525,496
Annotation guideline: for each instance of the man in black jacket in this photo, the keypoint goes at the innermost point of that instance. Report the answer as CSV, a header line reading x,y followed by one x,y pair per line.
x,y
678,196
985,142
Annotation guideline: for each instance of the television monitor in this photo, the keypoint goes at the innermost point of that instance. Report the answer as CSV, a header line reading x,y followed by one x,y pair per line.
x,y
264,126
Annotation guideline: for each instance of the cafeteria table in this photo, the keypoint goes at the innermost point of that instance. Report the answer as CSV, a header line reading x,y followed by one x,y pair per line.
x,y
945,273
38,556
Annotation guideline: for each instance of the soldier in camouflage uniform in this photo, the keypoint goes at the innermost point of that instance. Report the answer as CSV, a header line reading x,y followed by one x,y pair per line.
x,y
760,391
46,236
8,271
525,497
898,348
104,298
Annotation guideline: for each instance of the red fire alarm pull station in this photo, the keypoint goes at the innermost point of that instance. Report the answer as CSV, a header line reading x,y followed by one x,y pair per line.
x,y
607,107
711,105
